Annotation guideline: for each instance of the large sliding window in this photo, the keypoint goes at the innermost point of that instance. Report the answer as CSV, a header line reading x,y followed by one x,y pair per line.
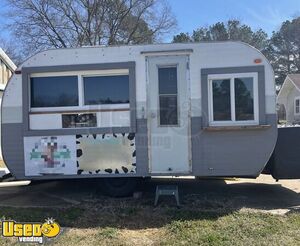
x,y
79,90
233,99
81,98
106,89
167,87
56,91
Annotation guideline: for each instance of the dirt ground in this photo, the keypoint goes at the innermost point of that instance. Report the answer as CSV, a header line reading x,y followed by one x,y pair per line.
x,y
262,194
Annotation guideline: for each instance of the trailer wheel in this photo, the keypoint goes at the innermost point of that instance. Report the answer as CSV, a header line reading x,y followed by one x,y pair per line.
x,y
118,187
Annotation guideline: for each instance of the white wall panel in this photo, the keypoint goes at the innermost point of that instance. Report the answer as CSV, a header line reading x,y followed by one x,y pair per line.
x,y
45,121
113,119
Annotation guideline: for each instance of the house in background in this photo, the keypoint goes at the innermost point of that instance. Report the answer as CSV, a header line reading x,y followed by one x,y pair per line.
x,y
288,99
7,67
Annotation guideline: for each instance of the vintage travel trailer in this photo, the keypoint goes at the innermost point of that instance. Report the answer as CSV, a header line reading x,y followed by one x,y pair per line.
x,y
202,109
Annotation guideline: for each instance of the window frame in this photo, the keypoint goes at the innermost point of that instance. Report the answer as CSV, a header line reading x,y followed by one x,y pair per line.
x,y
174,65
295,111
81,106
233,120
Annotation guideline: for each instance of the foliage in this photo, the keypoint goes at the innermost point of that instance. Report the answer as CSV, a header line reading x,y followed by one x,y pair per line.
x,y
231,30
44,24
283,49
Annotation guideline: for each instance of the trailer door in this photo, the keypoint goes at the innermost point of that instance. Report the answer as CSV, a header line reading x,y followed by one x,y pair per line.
x,y
168,114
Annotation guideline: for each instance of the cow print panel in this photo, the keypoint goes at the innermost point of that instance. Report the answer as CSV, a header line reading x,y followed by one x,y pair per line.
x,y
122,169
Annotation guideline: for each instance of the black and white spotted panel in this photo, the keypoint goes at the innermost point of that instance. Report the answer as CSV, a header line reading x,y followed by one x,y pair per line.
x,y
106,153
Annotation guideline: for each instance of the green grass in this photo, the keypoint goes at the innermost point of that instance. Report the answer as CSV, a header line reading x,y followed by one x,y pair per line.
x,y
236,229
127,223
67,216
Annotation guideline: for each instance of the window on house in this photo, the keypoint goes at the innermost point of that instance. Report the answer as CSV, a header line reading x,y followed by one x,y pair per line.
x,y
58,91
233,99
167,87
297,105
106,89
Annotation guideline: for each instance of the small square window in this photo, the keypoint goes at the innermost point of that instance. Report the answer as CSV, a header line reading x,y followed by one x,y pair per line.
x,y
234,99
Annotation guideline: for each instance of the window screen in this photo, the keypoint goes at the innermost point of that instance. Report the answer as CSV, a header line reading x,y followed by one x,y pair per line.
x,y
106,89
167,87
60,91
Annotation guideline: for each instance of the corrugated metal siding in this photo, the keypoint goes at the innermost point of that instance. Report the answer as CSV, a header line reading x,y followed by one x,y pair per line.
x,y
290,114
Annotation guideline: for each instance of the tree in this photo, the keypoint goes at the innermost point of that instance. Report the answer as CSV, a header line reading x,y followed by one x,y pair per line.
x,y
283,49
43,24
182,38
231,30
11,50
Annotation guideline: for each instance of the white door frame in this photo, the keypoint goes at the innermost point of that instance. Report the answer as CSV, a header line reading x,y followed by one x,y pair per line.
x,y
165,61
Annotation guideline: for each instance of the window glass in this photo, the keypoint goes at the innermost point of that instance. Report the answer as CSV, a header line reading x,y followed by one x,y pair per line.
x,y
167,77
244,102
297,106
168,110
221,100
59,91
106,89
167,84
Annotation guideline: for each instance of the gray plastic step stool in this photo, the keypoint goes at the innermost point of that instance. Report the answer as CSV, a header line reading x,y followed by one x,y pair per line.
x,y
166,190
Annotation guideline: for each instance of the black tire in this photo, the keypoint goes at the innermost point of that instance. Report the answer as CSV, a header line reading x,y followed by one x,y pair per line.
x,y
118,187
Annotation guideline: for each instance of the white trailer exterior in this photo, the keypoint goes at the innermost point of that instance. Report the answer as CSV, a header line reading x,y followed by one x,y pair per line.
x,y
202,109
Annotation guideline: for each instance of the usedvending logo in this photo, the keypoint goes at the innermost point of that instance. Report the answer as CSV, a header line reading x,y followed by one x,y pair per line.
x,y
30,232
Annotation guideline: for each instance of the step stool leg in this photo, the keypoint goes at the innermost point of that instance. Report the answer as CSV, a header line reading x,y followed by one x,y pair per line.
x,y
156,200
156,197
177,198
